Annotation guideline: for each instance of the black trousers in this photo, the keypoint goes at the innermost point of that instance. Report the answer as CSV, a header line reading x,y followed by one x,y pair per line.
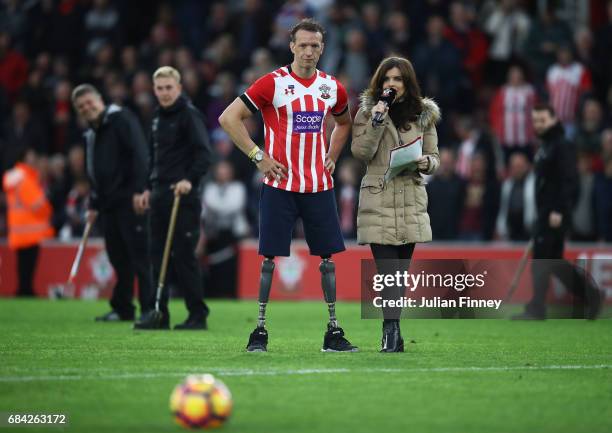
x,y
26,266
221,278
183,266
389,259
548,261
126,236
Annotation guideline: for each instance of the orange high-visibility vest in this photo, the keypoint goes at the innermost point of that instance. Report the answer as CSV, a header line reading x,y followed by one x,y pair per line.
x,y
29,212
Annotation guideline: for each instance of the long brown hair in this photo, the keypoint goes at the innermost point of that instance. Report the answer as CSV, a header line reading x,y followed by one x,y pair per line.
x,y
409,107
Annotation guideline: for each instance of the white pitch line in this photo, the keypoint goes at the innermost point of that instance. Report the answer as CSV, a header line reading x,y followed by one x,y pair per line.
x,y
246,372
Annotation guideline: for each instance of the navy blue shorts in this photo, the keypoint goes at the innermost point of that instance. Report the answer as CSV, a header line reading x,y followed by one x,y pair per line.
x,y
279,210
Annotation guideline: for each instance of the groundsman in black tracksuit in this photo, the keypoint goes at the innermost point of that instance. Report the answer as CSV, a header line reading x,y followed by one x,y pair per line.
x,y
116,156
180,150
556,189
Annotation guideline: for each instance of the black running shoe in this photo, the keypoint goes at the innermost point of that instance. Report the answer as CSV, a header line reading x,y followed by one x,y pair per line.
x,y
392,340
113,316
258,340
192,324
334,341
153,320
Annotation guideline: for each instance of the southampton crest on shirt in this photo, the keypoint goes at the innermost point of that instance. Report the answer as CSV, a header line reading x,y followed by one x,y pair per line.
x,y
324,89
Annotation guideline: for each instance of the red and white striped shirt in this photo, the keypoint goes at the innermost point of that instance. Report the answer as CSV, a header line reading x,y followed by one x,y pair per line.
x,y
510,115
565,86
294,111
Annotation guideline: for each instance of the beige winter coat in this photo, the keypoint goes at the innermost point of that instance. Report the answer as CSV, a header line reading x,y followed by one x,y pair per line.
x,y
394,213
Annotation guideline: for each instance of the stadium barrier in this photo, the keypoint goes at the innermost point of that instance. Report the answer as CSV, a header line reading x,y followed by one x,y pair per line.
x,y
296,277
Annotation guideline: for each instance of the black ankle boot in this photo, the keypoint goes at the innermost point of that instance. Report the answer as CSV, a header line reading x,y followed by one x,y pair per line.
x,y
392,340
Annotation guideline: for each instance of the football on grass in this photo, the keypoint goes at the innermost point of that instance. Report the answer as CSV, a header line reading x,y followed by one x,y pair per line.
x,y
201,401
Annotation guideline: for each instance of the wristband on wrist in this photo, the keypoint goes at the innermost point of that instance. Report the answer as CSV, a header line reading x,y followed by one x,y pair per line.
x,y
253,152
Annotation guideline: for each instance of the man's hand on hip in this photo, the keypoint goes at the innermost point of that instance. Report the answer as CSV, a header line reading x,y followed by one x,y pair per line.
x,y
271,168
330,164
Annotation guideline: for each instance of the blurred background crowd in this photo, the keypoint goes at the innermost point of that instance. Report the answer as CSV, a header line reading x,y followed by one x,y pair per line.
x,y
485,62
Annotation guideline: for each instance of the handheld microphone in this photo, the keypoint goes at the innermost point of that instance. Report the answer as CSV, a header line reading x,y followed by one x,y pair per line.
x,y
387,98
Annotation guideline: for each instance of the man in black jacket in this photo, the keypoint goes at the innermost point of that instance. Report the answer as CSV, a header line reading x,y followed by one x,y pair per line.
x,y
116,161
180,156
556,189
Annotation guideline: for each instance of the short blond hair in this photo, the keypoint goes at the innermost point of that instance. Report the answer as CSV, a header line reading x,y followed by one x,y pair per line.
x,y
167,72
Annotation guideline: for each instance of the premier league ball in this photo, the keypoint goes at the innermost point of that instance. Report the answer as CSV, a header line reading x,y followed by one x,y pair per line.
x,y
201,402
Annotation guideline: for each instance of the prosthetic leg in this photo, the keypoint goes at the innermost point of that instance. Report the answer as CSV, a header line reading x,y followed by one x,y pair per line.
x,y
265,283
334,340
258,340
328,284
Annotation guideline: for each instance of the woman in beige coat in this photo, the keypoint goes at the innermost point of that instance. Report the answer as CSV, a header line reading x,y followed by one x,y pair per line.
x,y
392,214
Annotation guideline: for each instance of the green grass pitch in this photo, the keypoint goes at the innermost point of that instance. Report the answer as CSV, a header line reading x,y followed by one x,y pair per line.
x,y
456,375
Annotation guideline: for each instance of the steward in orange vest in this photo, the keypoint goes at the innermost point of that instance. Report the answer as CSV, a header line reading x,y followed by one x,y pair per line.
x,y
29,216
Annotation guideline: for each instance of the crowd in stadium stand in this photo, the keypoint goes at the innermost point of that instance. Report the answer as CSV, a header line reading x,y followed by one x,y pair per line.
x,y
486,63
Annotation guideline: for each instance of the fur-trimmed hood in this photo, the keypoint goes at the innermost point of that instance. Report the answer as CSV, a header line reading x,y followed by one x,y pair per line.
x,y
428,117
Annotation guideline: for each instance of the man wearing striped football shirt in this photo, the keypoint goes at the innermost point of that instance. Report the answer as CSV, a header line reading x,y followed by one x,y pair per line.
x,y
297,165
